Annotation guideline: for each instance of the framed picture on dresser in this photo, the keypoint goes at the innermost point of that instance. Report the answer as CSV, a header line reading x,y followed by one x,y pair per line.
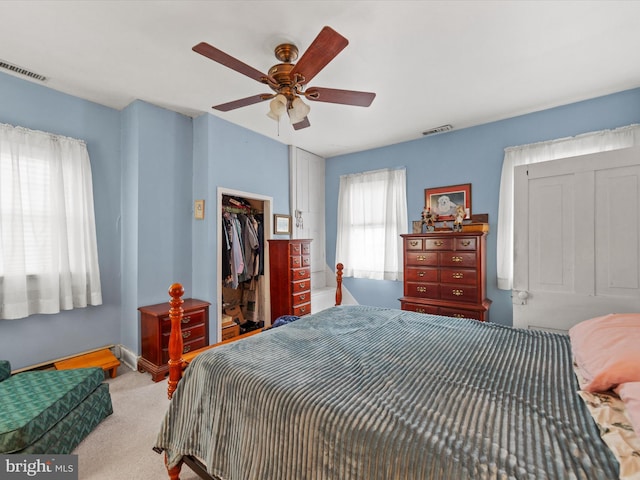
x,y
443,200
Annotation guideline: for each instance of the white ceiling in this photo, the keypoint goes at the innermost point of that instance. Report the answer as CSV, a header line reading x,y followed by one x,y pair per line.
x,y
431,63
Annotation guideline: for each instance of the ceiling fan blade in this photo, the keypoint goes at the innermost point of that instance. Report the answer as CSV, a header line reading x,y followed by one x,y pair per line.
x,y
222,58
243,102
322,50
302,124
345,97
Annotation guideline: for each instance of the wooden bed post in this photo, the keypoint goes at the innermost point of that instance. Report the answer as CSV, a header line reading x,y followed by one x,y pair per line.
x,y
175,338
339,268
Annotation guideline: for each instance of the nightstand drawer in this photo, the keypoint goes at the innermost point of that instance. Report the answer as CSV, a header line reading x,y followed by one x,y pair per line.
x,y
186,348
189,319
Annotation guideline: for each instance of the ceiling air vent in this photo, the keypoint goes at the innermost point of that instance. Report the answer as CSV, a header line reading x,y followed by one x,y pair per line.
x,y
442,128
21,71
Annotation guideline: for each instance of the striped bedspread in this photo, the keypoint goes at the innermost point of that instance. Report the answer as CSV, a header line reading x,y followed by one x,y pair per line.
x,y
366,393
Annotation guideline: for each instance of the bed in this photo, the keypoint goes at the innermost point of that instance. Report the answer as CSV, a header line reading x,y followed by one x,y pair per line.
x,y
359,392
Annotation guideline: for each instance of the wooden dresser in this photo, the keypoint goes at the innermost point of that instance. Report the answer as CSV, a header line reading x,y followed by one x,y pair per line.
x,y
444,274
290,277
155,328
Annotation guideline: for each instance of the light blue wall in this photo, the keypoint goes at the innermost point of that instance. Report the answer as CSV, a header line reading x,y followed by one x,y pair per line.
x,y
148,165
42,337
236,159
472,155
157,215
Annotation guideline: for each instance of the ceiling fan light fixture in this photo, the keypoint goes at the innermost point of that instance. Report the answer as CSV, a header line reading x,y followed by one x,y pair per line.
x,y
298,111
277,107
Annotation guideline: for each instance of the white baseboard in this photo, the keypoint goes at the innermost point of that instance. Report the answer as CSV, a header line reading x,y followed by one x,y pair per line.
x,y
129,358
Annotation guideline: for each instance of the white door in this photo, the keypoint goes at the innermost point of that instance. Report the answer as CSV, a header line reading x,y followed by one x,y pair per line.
x,y
307,205
576,239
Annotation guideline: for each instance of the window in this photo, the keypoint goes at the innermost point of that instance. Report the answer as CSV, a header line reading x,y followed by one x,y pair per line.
x,y
48,250
372,213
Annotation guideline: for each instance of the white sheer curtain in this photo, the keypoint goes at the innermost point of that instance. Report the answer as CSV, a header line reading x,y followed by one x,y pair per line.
x,y
48,250
584,144
372,213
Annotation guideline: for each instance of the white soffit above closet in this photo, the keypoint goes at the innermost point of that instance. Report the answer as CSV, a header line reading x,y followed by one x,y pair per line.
x,y
430,63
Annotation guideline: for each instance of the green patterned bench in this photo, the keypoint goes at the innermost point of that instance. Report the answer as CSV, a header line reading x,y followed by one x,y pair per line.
x,y
50,411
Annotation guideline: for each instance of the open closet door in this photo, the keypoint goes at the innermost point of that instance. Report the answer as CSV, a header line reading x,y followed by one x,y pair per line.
x,y
243,268
576,239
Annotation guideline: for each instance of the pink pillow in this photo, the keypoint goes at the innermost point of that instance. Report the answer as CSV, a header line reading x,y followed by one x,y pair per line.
x,y
607,350
630,395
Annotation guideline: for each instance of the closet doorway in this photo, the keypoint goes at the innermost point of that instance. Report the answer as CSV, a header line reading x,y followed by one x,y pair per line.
x,y
251,296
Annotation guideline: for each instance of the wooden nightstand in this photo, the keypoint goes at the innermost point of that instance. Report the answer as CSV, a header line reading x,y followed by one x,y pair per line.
x,y
155,329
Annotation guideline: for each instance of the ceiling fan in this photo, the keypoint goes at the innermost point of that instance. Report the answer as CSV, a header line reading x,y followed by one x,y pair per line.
x,y
289,80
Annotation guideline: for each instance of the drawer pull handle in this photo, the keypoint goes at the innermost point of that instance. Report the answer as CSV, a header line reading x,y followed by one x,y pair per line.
x,y
186,319
421,289
457,275
186,334
421,310
413,243
421,274
456,259
458,315
438,243
303,309
302,273
457,293
186,349
303,296
466,243
421,258
296,249
302,285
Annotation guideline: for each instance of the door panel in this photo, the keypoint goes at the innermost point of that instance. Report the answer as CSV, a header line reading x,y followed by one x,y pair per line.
x,y
576,239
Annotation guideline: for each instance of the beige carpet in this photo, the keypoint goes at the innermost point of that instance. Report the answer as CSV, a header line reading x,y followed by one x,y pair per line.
x,y
121,446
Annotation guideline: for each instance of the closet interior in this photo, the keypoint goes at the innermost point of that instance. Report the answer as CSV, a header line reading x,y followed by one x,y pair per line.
x,y
243,266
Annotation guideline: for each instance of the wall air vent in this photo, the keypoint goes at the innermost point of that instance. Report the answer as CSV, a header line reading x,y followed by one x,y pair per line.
x,y
22,71
442,128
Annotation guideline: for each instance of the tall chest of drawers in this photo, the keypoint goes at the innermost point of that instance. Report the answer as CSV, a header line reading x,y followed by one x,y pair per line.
x,y
155,328
290,277
444,274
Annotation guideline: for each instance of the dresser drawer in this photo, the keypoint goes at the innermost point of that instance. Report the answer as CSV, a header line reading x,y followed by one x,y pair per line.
x,y
421,274
458,259
301,273
413,244
300,298
306,248
459,293
422,258
306,260
295,248
295,262
438,243
451,312
459,276
301,286
300,310
416,307
189,319
465,243
422,290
